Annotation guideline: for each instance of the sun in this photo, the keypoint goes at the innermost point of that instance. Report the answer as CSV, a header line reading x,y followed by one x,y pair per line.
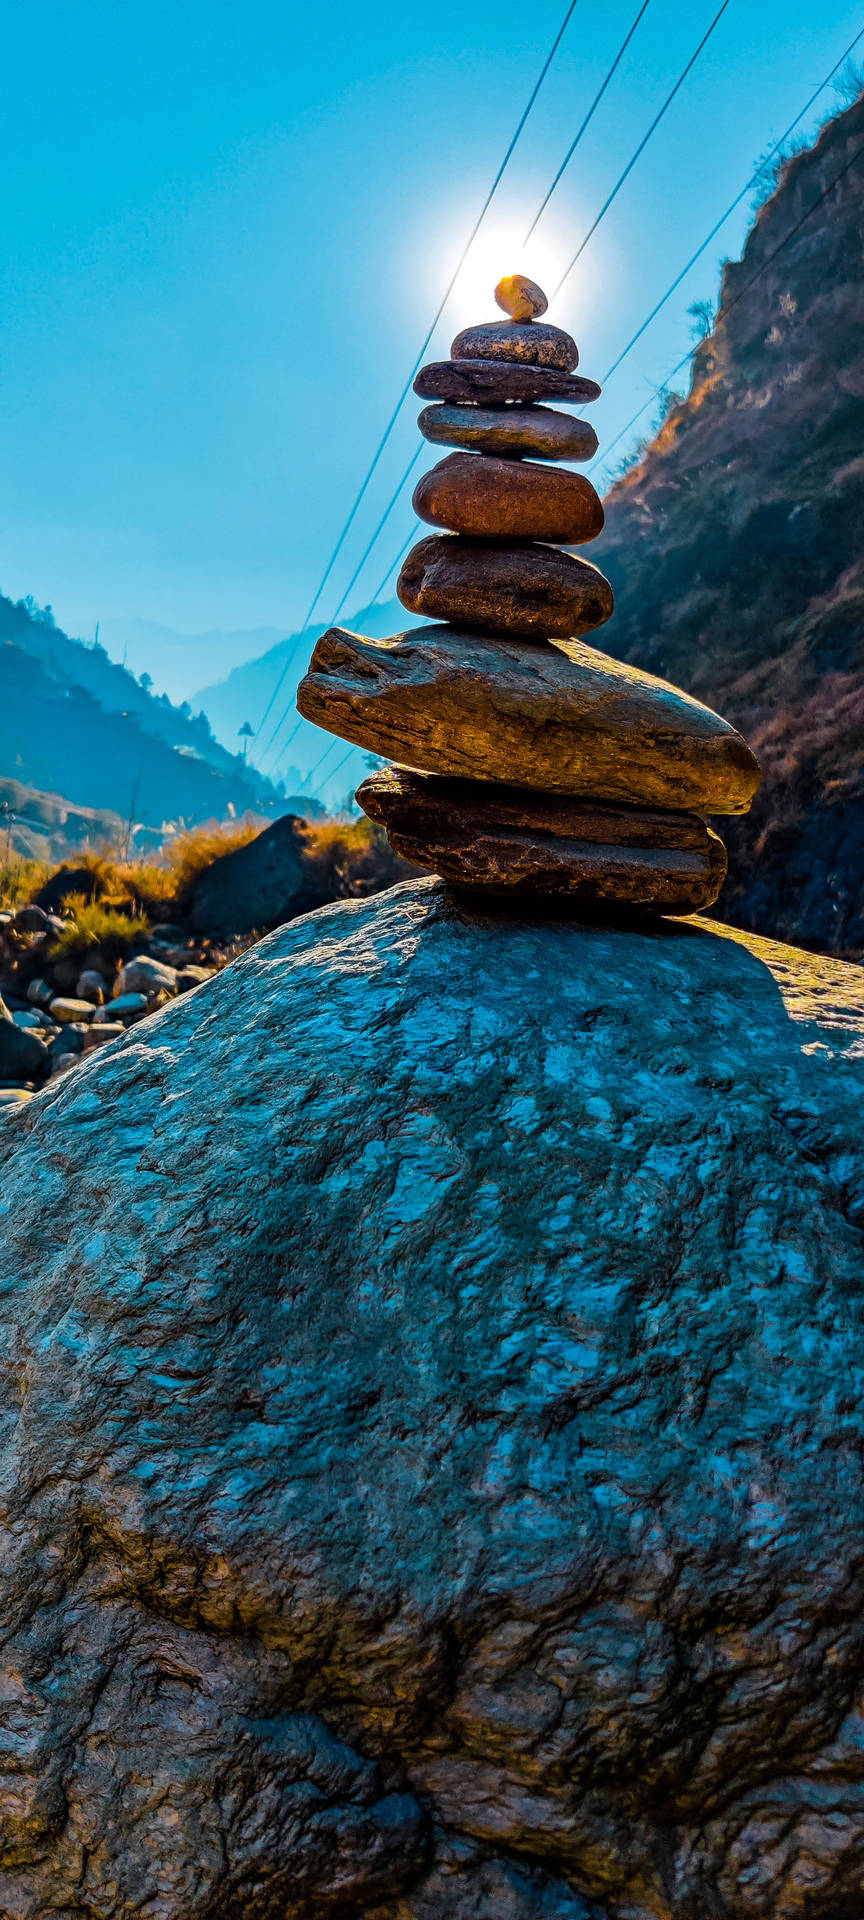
x,y
500,249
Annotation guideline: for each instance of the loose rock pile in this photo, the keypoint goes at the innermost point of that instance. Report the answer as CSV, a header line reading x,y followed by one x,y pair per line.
x,y
53,1012
526,761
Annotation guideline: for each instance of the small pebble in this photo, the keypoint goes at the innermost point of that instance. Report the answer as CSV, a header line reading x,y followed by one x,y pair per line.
x,y
520,297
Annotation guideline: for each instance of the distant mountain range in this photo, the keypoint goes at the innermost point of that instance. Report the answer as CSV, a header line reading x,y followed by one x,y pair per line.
x,y
76,725
178,662
246,692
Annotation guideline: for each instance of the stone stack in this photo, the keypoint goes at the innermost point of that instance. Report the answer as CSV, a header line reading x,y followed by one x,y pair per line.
x,y
525,760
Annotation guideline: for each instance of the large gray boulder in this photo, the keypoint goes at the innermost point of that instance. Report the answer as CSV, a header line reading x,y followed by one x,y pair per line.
x,y
431,1456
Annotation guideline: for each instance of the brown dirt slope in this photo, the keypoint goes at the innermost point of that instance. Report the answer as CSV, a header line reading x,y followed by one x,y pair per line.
x,y
736,546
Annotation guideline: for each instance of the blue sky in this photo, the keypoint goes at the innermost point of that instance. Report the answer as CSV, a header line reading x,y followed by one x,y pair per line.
x,y
226,229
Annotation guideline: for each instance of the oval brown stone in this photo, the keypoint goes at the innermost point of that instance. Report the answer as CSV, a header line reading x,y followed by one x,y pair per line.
x,y
520,297
515,841
533,344
508,500
535,591
510,432
497,381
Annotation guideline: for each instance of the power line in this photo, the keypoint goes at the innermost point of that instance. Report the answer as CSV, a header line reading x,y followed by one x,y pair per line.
x,y
586,122
357,572
371,602
607,204
440,309
723,317
334,771
731,208
641,148
384,517
683,274
742,291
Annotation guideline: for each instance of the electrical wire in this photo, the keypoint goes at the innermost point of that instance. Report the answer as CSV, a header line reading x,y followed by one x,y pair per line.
x,y
675,284
418,362
641,148
375,596
723,317
604,209
586,122
731,208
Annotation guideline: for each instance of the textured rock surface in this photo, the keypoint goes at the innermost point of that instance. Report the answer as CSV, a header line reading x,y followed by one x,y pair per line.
x,y
563,717
432,1436
508,500
516,841
540,432
496,381
531,590
538,346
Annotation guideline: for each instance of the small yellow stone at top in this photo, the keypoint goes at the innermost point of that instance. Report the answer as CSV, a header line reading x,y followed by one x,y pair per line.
x,y
520,297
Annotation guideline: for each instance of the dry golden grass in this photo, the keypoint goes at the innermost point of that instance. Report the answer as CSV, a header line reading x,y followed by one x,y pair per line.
x,y
20,879
188,855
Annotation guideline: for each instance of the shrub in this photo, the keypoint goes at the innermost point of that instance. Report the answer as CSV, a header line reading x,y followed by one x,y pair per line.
x,y
92,923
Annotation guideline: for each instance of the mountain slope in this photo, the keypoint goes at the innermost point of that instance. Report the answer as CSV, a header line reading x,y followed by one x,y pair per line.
x,y
736,545
245,693
178,661
72,723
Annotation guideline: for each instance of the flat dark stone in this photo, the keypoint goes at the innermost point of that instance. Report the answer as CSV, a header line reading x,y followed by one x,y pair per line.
x,y
530,343
497,381
535,433
497,587
515,841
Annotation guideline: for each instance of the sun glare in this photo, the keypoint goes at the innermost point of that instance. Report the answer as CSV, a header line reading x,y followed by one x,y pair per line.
x,y
499,249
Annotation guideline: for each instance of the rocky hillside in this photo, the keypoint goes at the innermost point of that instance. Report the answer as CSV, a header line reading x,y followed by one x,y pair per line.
x,y
736,545
74,723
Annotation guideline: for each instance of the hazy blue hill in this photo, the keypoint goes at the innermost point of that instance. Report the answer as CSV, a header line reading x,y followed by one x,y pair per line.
x,y
179,661
245,693
76,663
72,723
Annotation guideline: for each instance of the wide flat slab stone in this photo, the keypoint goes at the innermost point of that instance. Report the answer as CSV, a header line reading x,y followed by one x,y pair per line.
x,y
533,342
540,433
504,587
478,495
513,841
496,381
563,718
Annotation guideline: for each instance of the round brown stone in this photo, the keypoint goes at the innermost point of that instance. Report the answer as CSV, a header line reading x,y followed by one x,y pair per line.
x,y
520,297
510,432
511,840
532,345
494,382
508,500
535,591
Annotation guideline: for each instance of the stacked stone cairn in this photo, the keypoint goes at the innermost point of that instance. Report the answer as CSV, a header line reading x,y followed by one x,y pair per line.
x,y
525,762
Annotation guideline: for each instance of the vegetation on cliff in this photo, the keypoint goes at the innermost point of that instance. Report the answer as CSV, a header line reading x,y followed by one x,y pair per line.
x,y
736,545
